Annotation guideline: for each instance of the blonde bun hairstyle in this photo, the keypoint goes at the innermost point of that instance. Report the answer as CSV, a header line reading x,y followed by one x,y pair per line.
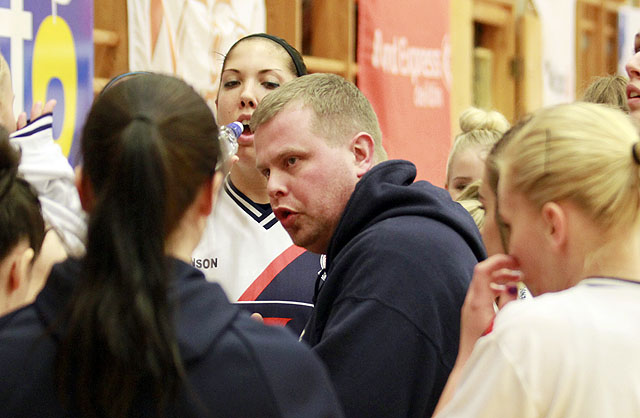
x,y
475,119
480,128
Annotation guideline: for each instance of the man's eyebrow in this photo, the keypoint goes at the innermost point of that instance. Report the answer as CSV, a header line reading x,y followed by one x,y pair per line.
x,y
281,154
287,150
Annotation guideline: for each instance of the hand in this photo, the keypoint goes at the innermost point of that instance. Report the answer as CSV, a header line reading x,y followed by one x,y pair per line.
x,y
37,110
228,164
257,317
494,279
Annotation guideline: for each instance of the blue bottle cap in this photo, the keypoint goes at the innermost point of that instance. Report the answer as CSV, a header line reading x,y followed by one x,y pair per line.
x,y
236,127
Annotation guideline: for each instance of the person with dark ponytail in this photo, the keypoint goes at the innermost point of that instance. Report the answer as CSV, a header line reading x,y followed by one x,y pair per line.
x,y
131,329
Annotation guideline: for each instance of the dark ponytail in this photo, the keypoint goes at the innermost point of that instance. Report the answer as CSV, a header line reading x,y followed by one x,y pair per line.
x,y
20,212
148,145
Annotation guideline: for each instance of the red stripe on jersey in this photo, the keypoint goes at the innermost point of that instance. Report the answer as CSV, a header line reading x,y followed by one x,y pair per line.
x,y
272,270
278,322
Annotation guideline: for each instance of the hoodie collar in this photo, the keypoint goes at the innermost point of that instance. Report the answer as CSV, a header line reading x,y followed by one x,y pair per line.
x,y
388,190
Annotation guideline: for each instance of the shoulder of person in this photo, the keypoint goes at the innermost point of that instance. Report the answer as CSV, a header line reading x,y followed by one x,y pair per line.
x,y
286,370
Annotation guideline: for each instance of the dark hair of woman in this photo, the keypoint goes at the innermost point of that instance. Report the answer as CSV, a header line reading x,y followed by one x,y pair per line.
x,y
296,64
20,212
148,145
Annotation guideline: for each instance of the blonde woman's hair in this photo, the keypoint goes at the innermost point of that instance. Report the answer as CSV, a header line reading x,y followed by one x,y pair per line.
x,y
610,90
580,152
470,200
340,109
479,128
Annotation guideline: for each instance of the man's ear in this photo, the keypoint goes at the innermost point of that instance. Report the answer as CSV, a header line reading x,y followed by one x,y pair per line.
x,y
556,224
85,191
362,146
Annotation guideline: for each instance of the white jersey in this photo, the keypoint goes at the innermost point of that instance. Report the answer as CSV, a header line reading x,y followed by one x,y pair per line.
x,y
45,167
570,354
247,251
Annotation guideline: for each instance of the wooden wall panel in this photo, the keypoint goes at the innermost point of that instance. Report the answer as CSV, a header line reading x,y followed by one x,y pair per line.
x,y
498,35
284,19
461,32
111,50
596,40
333,28
529,75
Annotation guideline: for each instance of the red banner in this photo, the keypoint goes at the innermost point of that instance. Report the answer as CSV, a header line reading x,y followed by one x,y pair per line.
x,y
404,71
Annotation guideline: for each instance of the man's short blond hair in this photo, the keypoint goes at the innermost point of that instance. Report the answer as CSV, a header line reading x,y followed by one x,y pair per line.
x,y
340,109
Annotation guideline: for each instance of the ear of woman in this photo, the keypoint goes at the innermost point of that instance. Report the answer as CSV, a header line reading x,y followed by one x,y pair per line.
x,y
184,239
21,269
555,219
213,188
14,275
85,191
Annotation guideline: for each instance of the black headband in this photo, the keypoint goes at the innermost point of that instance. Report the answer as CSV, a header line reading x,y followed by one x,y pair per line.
x,y
301,69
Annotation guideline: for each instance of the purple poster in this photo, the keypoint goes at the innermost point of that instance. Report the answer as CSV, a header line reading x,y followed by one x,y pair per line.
x,y
49,47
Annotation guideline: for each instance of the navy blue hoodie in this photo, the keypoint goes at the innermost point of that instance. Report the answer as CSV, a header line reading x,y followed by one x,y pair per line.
x,y
235,366
387,319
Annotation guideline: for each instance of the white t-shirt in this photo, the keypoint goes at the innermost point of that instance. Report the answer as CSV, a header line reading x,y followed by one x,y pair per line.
x,y
45,167
247,251
571,354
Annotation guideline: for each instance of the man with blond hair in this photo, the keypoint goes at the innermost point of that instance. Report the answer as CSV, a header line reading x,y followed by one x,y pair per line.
x,y
399,253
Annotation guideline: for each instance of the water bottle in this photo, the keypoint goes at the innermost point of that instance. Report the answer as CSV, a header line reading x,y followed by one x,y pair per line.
x,y
228,138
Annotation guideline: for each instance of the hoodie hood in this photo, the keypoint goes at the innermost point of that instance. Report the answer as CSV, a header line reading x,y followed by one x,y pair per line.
x,y
387,191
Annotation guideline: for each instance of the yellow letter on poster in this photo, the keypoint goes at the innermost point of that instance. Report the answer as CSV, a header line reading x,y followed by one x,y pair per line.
x,y
54,56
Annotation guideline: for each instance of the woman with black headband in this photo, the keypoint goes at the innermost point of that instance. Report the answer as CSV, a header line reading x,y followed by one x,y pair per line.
x,y
244,247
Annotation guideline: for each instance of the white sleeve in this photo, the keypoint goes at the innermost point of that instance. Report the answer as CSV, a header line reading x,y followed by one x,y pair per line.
x,y
491,386
46,168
